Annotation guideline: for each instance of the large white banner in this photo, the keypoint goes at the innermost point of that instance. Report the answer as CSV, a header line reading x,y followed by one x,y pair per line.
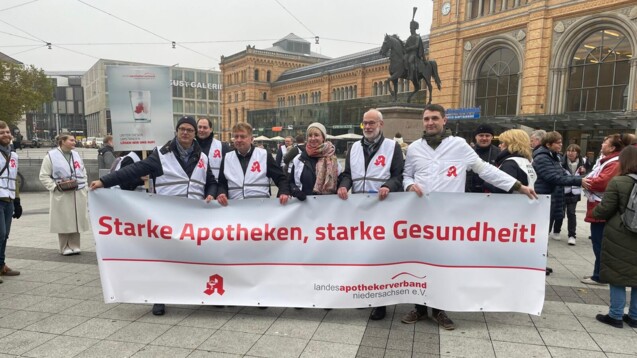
x,y
140,100
459,252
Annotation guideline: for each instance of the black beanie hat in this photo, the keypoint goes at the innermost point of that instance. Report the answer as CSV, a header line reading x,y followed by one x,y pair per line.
x,y
483,128
188,120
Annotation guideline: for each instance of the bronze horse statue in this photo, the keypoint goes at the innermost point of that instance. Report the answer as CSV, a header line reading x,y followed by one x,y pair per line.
x,y
394,47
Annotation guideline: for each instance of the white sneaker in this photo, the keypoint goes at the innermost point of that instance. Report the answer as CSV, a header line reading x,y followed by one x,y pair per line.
x,y
555,236
67,252
76,251
590,281
571,241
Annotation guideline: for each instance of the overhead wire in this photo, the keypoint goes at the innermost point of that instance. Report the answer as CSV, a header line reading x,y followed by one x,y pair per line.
x,y
78,52
19,29
22,37
295,18
148,31
14,6
28,50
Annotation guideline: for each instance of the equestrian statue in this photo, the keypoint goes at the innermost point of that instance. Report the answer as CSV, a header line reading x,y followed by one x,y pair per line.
x,y
409,61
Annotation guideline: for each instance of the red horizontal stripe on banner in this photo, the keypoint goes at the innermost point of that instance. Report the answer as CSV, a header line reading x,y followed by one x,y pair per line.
x,y
326,264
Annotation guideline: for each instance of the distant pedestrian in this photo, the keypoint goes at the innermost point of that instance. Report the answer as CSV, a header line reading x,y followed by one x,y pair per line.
x,y
282,151
106,154
296,149
573,165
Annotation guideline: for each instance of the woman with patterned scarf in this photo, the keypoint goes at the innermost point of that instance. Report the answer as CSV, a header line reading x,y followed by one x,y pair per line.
x,y
314,171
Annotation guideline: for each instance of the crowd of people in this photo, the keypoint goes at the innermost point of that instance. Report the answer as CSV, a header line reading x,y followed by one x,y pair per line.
x,y
307,165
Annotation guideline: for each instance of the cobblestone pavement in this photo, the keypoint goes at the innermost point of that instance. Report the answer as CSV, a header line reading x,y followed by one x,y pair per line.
x,y
55,309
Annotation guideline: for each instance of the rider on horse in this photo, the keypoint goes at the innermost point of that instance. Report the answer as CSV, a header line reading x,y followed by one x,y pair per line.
x,y
414,52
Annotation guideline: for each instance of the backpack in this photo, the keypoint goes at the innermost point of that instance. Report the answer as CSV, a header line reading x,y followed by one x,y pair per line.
x,y
629,217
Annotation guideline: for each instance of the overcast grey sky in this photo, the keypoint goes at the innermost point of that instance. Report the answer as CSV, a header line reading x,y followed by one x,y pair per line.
x,y
79,30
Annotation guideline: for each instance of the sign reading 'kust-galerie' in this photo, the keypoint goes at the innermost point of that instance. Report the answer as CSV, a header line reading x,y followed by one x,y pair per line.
x,y
460,252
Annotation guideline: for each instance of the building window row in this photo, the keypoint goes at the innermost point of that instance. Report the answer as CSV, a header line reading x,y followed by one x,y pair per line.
x,y
344,93
479,8
268,75
380,88
316,97
236,77
291,100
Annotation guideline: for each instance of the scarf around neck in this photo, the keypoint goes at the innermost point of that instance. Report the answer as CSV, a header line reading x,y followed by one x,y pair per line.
x,y
326,167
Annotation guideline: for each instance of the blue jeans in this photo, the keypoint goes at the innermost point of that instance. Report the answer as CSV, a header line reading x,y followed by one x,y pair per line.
x,y
6,213
618,302
597,234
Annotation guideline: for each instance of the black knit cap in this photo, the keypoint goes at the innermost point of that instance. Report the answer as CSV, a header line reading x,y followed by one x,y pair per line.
x,y
483,128
188,120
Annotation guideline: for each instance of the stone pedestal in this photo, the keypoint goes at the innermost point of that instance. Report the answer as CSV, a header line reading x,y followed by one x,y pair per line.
x,y
406,120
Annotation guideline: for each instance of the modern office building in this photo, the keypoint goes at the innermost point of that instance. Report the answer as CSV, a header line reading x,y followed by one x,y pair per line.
x,y
65,113
195,92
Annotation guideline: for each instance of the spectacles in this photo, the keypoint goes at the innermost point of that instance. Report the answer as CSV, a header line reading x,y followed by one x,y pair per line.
x,y
185,130
370,123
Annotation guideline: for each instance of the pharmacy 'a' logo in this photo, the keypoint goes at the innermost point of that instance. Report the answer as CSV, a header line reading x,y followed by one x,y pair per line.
x,y
214,285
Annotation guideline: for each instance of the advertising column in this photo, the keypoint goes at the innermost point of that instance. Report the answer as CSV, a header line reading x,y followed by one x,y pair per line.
x,y
140,100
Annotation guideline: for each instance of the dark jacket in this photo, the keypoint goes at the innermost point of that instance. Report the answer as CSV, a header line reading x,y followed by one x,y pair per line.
x,y
618,265
207,142
105,157
551,179
474,184
126,161
308,175
273,172
152,166
395,181
292,153
510,167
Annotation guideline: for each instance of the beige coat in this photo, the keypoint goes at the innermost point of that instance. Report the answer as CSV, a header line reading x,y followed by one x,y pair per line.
x,y
68,210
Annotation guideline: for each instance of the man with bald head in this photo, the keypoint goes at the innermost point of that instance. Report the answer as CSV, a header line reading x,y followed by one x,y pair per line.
x,y
373,165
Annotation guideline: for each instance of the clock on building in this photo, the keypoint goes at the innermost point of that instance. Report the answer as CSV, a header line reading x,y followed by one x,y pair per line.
x,y
446,8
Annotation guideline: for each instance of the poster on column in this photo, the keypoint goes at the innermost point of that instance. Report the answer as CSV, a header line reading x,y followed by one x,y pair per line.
x,y
460,252
140,101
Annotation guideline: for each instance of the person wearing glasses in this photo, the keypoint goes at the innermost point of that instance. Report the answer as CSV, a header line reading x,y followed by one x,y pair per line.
x,y
438,162
178,168
373,165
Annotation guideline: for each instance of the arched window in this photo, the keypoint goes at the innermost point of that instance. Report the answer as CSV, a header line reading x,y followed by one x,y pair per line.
x,y
497,83
268,76
256,74
599,73
265,96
